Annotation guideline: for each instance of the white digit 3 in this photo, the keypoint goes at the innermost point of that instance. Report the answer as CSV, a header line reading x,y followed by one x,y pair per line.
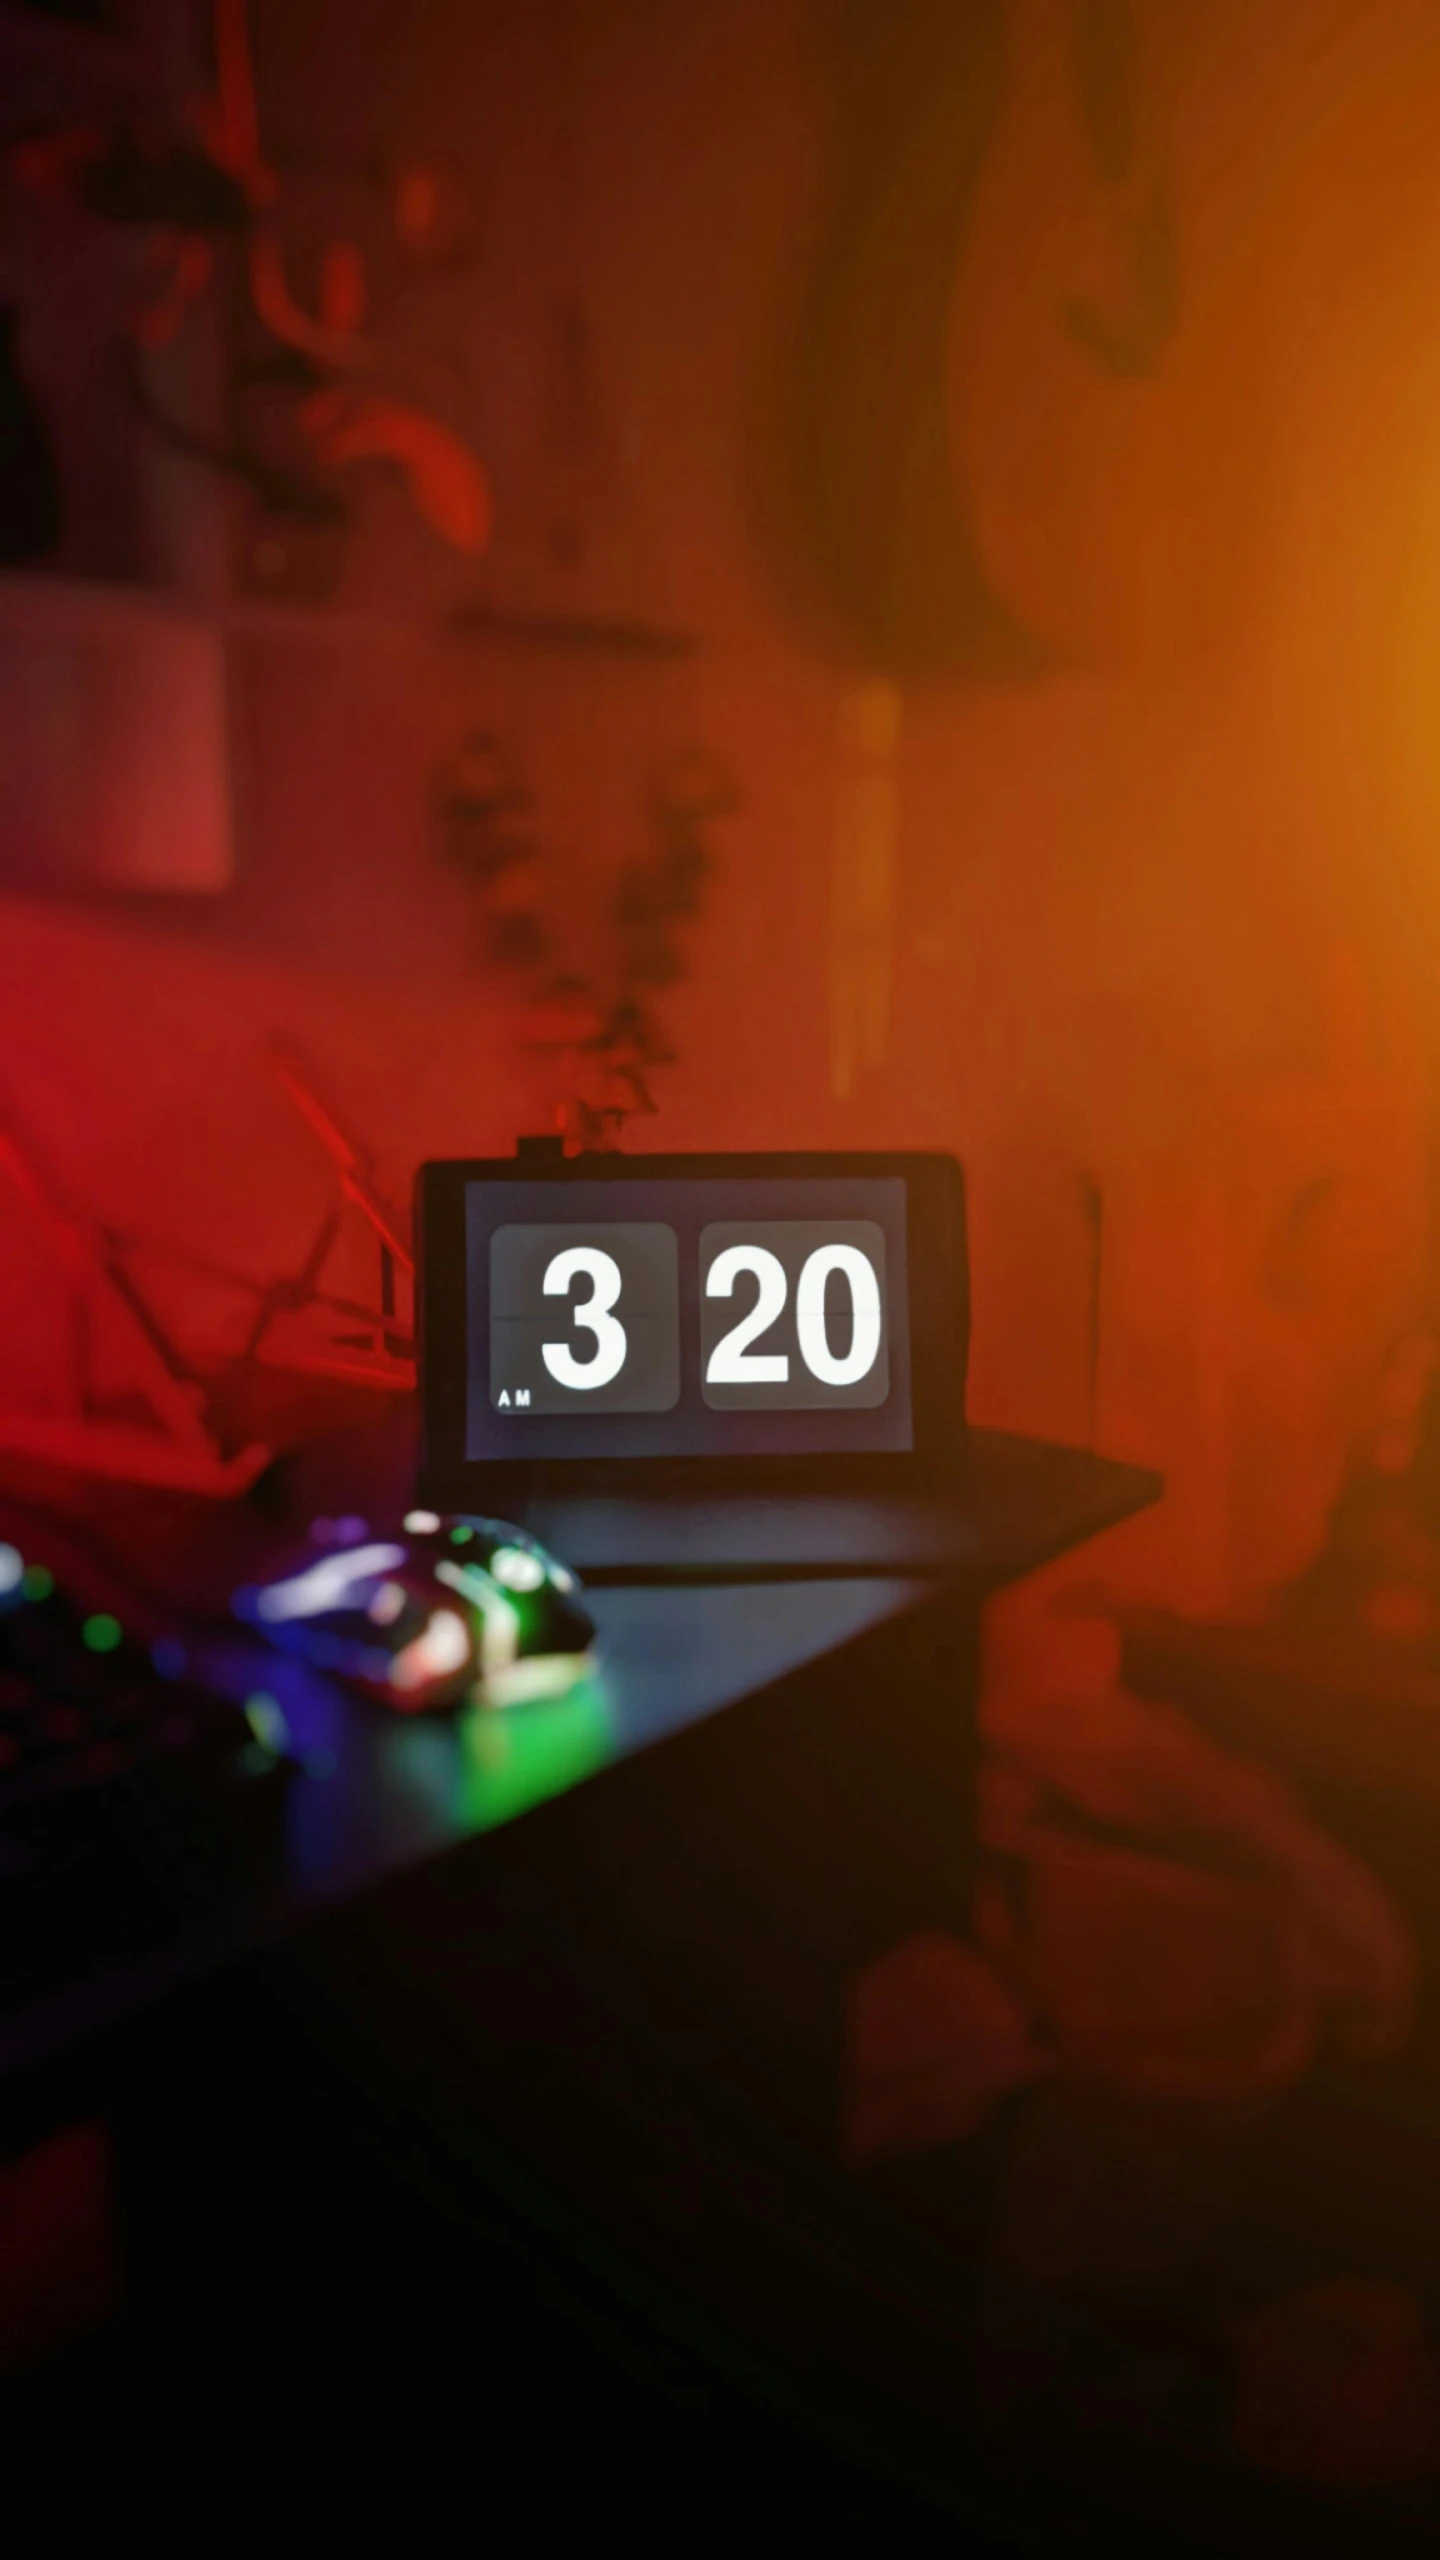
x,y
732,1362
587,1262
819,1359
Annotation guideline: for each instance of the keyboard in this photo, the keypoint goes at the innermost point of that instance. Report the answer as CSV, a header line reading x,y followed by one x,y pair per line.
x,y
135,1802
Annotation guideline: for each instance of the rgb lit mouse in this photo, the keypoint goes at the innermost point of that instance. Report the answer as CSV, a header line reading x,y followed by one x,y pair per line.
x,y
440,1611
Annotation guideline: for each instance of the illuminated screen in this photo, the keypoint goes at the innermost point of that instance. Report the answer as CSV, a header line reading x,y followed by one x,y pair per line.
x,y
674,1318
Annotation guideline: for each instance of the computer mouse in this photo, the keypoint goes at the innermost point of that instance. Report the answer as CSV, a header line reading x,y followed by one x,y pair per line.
x,y
434,1614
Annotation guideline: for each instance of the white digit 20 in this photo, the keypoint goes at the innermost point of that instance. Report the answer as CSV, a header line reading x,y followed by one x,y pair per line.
x,y
734,1364
587,1262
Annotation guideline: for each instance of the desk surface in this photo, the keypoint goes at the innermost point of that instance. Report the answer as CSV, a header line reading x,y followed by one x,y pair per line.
x,y
1063,2303
678,1642
1011,1505
377,1793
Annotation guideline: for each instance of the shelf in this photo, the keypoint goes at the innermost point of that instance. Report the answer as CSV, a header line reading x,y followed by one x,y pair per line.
x,y
89,605
94,607
88,608
327,626
572,634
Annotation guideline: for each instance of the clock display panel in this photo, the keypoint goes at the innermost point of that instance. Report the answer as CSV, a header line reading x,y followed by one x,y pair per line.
x,y
686,1318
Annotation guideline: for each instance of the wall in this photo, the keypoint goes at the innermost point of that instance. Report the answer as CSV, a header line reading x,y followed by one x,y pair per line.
x,y
1173,895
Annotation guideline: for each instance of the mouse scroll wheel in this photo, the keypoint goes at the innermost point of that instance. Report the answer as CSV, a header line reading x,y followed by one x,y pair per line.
x,y
517,1569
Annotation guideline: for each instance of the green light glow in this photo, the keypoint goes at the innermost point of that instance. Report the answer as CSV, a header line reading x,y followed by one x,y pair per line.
x,y
462,1536
102,1633
513,1758
267,1723
37,1582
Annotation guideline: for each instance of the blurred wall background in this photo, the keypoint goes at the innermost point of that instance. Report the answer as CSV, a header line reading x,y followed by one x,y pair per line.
x,y
1120,882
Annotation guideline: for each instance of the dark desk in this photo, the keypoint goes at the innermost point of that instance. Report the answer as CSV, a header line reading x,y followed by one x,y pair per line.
x,y
554,2002
681,1639
1014,1504
514,2147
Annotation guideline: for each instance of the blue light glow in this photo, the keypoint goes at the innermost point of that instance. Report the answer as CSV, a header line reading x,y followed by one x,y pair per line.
x,y
333,1584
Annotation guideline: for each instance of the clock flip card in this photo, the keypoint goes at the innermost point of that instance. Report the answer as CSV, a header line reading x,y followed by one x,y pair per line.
x,y
792,1313
585,1316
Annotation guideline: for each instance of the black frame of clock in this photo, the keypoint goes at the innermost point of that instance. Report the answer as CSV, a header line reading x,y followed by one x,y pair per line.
x,y
939,1321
